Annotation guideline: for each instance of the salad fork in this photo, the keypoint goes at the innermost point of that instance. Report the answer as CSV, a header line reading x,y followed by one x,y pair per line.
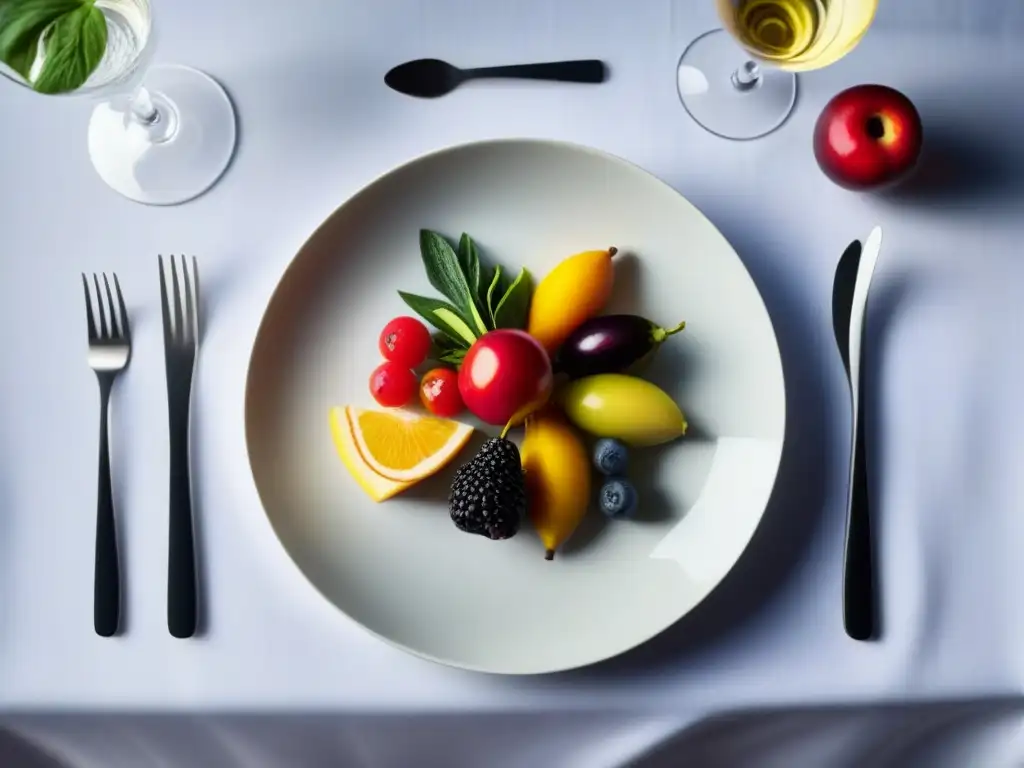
x,y
110,350
181,346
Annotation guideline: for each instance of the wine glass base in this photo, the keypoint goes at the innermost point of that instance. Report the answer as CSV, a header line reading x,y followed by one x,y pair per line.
x,y
705,79
176,159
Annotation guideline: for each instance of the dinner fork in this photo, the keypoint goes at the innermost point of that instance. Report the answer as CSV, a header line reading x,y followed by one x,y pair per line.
x,y
181,345
110,350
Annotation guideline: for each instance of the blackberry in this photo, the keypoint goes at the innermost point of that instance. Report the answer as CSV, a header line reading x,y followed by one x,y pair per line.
x,y
488,494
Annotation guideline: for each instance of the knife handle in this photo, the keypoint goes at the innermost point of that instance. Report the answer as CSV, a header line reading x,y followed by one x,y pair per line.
x,y
859,611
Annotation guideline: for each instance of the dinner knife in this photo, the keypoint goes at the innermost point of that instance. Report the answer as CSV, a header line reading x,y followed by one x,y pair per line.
x,y
849,312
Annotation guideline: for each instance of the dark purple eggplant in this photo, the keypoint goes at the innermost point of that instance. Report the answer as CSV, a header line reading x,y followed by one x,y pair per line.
x,y
611,344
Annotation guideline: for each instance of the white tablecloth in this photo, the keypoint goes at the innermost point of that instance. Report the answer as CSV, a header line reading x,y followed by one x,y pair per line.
x,y
946,430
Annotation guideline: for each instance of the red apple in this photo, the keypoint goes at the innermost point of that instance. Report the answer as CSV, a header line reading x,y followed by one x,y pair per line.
x,y
505,376
868,136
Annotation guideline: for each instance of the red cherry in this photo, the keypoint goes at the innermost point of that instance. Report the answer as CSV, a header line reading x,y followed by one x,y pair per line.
x,y
405,340
392,385
439,392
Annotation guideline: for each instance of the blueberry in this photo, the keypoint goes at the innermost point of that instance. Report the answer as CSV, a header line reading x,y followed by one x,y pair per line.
x,y
610,457
618,498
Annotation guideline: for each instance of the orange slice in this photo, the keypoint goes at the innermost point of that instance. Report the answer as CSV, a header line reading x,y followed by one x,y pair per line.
x,y
404,446
376,487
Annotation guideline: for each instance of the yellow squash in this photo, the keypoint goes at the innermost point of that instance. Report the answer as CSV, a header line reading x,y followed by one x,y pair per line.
x,y
574,291
557,478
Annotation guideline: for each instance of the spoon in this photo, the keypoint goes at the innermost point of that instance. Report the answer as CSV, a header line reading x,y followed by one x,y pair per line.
x,y
430,78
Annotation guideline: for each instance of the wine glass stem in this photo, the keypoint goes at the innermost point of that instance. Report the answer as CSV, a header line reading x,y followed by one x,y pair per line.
x,y
747,76
143,108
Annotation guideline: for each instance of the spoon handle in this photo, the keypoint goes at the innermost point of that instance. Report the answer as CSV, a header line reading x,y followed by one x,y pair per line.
x,y
858,566
585,71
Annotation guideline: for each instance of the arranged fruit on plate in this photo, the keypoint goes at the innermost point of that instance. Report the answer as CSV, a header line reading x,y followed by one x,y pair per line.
x,y
505,376
611,344
495,353
439,392
392,385
574,291
403,446
377,487
628,408
406,341
617,497
557,478
488,495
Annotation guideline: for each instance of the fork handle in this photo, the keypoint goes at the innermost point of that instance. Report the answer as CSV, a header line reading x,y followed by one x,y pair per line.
x,y
182,611
107,575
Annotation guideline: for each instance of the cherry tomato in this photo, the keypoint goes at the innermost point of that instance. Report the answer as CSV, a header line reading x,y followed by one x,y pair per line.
x,y
405,340
439,392
392,385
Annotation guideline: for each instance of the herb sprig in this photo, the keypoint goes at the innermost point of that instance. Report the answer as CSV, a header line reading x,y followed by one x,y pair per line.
x,y
70,35
479,297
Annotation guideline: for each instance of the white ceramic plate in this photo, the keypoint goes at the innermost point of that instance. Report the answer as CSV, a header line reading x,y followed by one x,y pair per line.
x,y
401,569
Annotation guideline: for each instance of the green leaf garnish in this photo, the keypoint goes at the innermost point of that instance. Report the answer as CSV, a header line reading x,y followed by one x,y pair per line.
x,y
71,33
469,261
455,358
22,24
514,308
74,48
442,316
445,273
494,294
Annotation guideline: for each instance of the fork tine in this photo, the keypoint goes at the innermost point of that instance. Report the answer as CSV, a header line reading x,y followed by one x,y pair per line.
x,y
164,304
179,331
126,329
99,304
195,310
115,327
88,309
190,327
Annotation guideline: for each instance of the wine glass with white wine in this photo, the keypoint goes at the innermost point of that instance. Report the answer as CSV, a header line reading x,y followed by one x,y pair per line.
x,y
748,90
160,134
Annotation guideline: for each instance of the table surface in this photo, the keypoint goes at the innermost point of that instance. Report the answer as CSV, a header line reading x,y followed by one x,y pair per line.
x,y
316,124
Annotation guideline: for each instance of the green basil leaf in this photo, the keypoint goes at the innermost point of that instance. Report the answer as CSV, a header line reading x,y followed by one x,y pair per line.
x,y
442,342
469,261
442,316
445,274
494,294
514,308
74,48
486,276
22,24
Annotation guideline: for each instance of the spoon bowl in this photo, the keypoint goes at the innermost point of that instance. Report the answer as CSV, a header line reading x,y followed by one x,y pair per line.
x,y
425,78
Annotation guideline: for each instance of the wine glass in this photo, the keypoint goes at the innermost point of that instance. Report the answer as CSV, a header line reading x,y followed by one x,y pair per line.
x,y
162,134
725,86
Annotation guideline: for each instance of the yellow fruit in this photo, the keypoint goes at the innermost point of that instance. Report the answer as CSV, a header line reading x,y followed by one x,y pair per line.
x,y
557,478
574,291
624,407
376,487
403,446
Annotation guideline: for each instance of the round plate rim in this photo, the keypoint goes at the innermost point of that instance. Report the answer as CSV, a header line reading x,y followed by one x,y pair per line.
x,y
434,153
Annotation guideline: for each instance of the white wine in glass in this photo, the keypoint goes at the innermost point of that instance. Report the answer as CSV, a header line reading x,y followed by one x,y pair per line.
x,y
160,134
738,82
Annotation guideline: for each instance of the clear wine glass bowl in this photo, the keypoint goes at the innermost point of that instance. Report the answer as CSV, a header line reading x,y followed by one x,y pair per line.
x,y
159,134
738,82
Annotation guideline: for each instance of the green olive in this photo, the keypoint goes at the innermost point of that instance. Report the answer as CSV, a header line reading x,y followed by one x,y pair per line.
x,y
624,407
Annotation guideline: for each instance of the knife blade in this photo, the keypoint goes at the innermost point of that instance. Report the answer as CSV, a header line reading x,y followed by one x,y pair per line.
x,y
849,313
